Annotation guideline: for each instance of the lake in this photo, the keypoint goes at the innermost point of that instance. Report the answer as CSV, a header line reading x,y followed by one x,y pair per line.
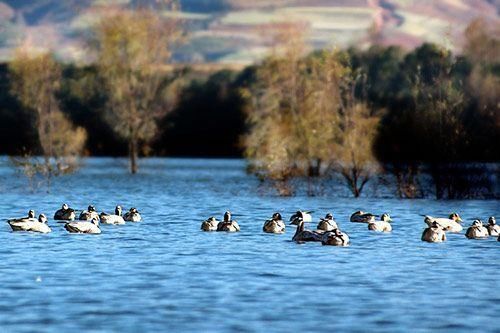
x,y
164,274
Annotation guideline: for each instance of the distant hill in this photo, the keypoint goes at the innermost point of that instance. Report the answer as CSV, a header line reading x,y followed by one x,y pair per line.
x,y
226,31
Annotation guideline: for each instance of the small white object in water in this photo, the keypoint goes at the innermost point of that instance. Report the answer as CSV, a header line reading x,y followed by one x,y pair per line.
x,y
38,279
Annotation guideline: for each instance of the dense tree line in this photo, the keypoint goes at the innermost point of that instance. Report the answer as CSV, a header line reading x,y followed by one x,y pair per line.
x,y
209,116
429,108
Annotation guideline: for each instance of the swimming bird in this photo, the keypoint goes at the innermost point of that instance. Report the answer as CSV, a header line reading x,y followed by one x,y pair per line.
x,y
305,216
450,224
335,238
30,223
209,224
381,226
84,227
434,233
477,230
362,217
132,215
303,235
89,214
327,223
275,225
228,224
65,214
493,227
115,218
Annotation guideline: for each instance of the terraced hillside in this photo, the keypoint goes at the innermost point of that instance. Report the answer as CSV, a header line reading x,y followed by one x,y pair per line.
x,y
230,31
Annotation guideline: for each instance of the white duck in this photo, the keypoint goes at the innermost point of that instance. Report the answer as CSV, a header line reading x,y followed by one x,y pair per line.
x,y
434,233
275,225
65,214
477,230
228,224
209,224
305,216
362,217
381,226
132,215
84,227
30,223
89,214
493,227
450,224
113,218
303,235
335,238
327,223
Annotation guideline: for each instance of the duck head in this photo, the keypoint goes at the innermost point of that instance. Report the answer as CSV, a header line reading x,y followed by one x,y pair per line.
x,y
297,221
436,225
477,224
42,218
227,216
455,217
297,214
211,219
328,216
385,217
492,221
91,208
65,207
31,214
277,217
134,210
118,210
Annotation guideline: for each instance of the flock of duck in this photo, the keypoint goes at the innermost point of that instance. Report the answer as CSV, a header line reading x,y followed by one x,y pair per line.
x,y
87,223
328,231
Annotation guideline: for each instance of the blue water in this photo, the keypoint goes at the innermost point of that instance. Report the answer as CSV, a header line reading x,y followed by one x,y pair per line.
x,y
165,275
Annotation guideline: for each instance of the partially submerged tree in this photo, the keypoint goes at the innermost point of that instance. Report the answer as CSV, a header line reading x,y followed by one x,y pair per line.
x,y
292,116
132,48
304,118
356,161
35,81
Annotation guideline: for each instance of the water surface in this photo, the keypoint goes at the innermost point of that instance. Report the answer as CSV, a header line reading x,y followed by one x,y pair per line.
x,y
164,274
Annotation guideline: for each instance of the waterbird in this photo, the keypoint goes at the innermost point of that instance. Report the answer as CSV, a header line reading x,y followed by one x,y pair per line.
x,y
383,225
434,233
209,224
228,224
65,214
450,224
327,223
477,231
275,225
362,217
303,235
84,227
493,227
304,215
335,238
30,223
89,214
115,218
132,215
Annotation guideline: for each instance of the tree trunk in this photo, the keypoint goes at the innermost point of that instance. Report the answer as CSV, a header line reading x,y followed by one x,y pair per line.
x,y
133,156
